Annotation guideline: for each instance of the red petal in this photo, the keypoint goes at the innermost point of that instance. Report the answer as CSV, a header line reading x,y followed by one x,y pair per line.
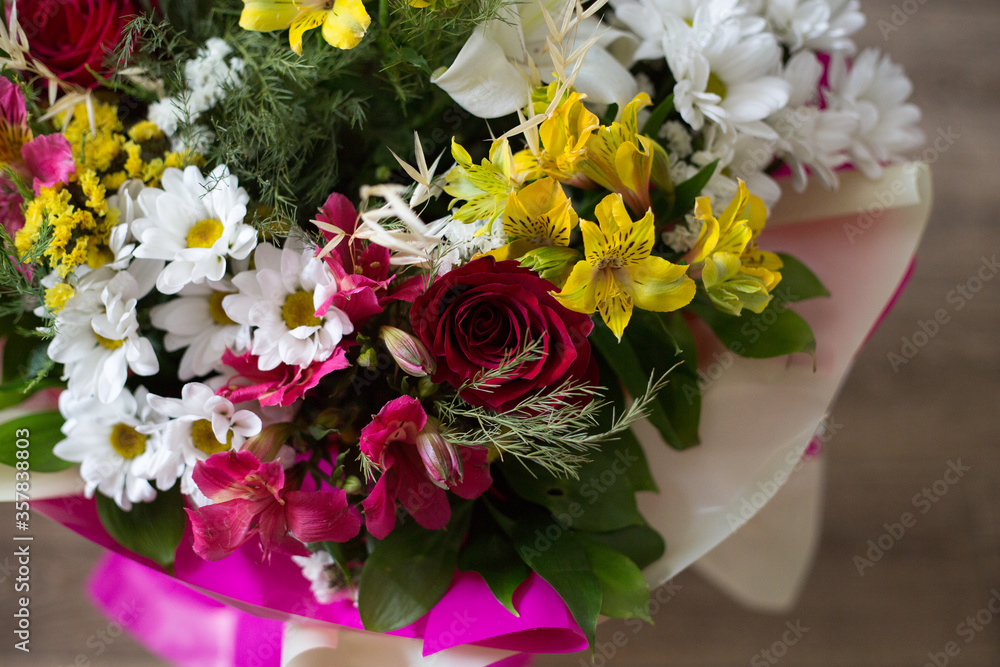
x,y
221,476
221,529
321,516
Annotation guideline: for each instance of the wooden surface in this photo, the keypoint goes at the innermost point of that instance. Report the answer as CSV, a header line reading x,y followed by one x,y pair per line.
x,y
899,431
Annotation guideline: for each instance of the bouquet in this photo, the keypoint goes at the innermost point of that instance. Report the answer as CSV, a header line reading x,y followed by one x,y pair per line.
x,y
417,312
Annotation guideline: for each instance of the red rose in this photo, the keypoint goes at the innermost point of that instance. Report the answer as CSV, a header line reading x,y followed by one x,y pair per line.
x,y
70,36
474,316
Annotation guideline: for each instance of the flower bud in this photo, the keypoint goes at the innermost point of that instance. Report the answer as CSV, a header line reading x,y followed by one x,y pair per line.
x,y
411,355
266,444
553,263
353,485
442,459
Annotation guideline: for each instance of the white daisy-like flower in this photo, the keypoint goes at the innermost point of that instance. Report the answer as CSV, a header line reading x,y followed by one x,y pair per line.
x,y
197,321
97,336
723,61
317,567
194,223
201,424
812,140
875,90
281,300
823,25
105,439
741,156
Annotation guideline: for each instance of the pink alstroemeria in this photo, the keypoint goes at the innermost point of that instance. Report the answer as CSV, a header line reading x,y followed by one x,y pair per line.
x,y
250,499
390,442
47,159
281,386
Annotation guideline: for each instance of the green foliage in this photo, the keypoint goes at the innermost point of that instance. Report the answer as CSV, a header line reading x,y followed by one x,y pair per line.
x,y
491,553
624,592
798,282
641,544
775,332
408,572
42,432
151,529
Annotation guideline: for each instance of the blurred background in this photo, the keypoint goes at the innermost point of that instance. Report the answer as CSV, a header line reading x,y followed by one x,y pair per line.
x,y
898,430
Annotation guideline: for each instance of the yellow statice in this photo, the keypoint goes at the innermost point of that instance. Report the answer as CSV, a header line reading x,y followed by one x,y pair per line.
x,y
57,296
563,137
623,161
618,272
735,272
344,22
117,155
486,187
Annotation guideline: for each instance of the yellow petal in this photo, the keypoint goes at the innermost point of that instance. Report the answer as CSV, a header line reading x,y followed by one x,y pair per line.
x,y
305,21
580,291
595,242
637,246
346,24
616,311
513,250
660,286
268,15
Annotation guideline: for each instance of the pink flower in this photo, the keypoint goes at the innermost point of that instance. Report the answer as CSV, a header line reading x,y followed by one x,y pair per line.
x,y
250,500
45,160
281,386
390,442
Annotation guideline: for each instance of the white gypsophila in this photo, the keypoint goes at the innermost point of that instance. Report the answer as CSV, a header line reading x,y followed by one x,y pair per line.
x,y
193,223
196,320
875,90
316,567
464,241
678,139
201,424
105,439
207,77
740,157
684,234
97,336
280,300
723,62
811,140
823,25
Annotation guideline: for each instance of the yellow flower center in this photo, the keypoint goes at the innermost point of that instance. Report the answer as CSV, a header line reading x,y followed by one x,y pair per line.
x,y
204,234
716,86
99,255
109,343
205,440
298,311
216,310
128,442
611,262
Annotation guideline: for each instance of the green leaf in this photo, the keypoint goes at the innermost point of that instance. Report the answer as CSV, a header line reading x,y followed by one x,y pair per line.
x,y
408,572
16,392
688,191
551,550
682,395
625,445
798,283
151,529
624,592
643,545
601,499
490,552
43,434
658,117
17,356
775,332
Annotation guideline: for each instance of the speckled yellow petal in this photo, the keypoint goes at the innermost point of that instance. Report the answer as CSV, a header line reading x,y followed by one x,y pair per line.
x,y
346,24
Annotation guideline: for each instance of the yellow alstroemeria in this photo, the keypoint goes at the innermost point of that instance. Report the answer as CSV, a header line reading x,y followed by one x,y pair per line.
x,y
563,136
485,188
539,215
622,160
344,22
735,272
619,273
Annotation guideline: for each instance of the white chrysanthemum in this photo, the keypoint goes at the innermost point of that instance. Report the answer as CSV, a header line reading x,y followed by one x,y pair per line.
x,y
194,223
105,439
97,336
723,62
196,320
875,90
201,424
812,140
280,300
823,25
316,567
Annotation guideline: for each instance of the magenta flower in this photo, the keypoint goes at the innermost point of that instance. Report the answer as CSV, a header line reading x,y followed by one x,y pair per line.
x,y
283,385
390,442
250,499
